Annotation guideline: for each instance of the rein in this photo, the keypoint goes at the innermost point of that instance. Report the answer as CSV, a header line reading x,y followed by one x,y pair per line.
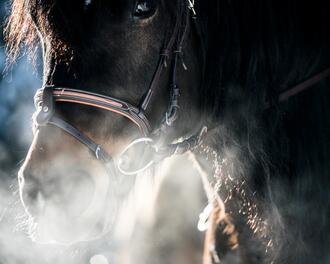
x,y
286,95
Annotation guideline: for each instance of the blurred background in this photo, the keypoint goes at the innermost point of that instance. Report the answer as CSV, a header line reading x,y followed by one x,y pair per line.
x,y
17,86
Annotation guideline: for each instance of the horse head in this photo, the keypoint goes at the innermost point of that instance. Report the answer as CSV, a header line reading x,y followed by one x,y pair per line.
x,y
112,74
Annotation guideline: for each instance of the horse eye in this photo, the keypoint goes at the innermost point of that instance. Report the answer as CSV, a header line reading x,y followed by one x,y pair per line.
x,y
144,8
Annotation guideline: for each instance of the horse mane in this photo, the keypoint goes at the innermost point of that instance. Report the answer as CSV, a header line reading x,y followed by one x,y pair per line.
x,y
20,31
262,47
255,49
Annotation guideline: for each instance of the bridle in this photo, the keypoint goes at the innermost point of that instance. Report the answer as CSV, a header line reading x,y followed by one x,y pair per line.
x,y
172,53
47,97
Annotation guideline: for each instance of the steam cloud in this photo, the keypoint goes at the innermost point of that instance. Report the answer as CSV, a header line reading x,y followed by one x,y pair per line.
x,y
179,201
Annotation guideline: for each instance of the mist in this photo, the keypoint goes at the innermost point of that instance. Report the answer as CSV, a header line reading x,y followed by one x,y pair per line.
x,y
157,220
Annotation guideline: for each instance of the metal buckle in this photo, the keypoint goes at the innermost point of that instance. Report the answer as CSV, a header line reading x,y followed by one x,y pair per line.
x,y
45,106
134,172
204,218
191,6
97,152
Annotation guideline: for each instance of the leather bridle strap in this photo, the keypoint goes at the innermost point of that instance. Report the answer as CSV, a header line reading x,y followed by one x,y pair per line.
x,y
45,100
107,103
172,48
301,87
96,149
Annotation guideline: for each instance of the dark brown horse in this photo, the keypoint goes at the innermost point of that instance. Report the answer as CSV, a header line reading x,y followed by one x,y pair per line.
x,y
116,71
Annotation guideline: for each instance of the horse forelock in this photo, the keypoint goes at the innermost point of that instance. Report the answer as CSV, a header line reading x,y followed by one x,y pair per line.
x,y
19,30
30,24
27,25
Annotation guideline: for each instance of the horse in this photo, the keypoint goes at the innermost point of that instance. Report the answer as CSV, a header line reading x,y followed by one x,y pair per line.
x,y
226,81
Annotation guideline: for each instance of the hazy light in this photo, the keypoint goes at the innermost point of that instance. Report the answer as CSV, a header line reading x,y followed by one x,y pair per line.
x,y
98,259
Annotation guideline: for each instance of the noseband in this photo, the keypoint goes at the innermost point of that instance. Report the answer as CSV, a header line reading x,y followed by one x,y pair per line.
x,y
47,97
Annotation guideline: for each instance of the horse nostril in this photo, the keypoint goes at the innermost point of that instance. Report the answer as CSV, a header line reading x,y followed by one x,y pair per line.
x,y
31,192
33,199
68,191
20,179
